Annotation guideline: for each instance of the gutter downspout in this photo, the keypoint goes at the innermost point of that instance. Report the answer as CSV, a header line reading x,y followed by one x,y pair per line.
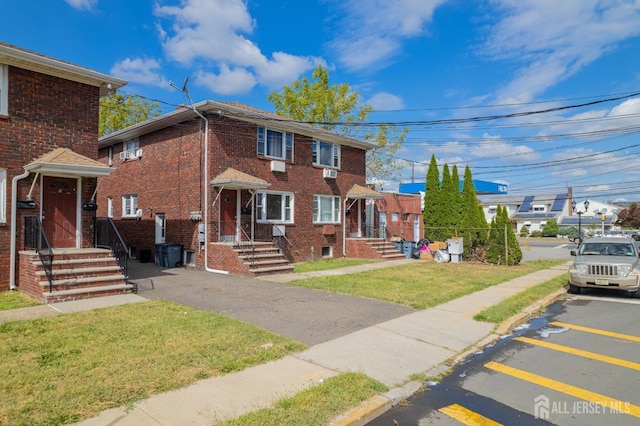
x,y
14,214
206,197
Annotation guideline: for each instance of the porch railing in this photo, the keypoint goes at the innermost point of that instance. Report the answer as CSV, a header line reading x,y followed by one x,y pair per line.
x,y
35,239
106,235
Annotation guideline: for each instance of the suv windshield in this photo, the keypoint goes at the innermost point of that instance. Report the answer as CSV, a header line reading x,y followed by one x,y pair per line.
x,y
607,249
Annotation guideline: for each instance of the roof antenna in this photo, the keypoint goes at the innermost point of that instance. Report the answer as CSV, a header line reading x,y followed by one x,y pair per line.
x,y
184,89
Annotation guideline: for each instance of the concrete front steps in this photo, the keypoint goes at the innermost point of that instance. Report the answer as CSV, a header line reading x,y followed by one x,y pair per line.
x,y
262,258
76,274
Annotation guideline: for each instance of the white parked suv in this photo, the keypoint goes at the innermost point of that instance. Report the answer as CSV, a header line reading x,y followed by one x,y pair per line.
x,y
606,262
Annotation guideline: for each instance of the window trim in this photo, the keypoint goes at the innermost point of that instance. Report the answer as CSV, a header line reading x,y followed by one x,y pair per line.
x,y
4,89
336,209
132,197
285,207
287,143
3,195
336,154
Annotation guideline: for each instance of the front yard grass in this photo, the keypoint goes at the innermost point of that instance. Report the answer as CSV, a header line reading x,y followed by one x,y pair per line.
x,y
326,264
60,370
423,284
15,300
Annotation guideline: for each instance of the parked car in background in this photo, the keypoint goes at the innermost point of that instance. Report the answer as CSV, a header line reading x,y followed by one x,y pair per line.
x,y
606,263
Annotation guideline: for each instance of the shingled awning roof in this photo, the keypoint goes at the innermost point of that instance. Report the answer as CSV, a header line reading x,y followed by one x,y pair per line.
x,y
235,179
362,192
64,162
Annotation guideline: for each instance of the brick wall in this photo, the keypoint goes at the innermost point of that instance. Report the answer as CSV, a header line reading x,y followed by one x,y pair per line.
x,y
169,179
44,113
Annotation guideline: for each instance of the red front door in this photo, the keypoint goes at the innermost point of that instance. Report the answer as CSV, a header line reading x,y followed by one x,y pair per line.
x,y
59,211
229,214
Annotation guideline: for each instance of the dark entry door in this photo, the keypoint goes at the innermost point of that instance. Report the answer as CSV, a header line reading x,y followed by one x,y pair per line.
x,y
229,216
59,211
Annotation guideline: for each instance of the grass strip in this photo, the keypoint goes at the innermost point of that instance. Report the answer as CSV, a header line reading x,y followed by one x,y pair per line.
x,y
423,284
16,300
63,369
515,304
327,264
316,405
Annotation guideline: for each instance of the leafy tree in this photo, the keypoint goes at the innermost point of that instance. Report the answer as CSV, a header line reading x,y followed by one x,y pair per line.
x,y
474,225
629,217
550,228
335,107
524,231
431,212
118,112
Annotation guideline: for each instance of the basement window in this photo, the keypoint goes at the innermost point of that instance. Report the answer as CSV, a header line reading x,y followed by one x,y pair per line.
x,y
327,251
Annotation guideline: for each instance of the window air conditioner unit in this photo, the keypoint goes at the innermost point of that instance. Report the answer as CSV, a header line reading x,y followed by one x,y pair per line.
x,y
329,173
278,230
278,166
126,155
139,152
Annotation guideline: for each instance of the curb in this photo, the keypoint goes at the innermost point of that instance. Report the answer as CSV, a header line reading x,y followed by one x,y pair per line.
x,y
379,404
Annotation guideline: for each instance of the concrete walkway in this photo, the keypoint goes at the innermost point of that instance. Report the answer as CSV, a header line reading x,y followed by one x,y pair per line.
x,y
390,351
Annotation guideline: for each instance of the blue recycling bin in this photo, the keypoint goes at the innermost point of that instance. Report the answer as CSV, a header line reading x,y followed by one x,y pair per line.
x,y
173,255
407,248
160,254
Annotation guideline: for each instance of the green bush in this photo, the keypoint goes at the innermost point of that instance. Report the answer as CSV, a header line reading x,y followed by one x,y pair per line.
x,y
536,234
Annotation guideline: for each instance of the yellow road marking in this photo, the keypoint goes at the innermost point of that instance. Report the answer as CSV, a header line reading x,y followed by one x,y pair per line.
x,y
466,416
580,352
565,388
597,331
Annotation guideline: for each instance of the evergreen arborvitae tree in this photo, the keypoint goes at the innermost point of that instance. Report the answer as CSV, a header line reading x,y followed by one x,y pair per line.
x,y
446,213
457,197
474,225
496,251
431,200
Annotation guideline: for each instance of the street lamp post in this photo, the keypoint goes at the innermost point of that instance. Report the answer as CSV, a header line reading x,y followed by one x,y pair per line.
x,y
580,213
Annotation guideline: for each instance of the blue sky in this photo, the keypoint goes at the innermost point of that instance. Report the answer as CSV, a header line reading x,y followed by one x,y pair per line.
x,y
436,65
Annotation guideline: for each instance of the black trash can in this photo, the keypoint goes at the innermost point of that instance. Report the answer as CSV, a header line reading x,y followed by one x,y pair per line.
x,y
145,255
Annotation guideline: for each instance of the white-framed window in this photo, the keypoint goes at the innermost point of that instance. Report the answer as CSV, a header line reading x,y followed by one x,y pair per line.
x,y
394,217
129,205
326,154
110,155
4,89
275,144
110,207
3,195
273,206
131,146
326,209
539,208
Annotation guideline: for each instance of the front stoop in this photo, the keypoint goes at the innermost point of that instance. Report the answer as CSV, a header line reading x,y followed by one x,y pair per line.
x,y
373,248
262,258
76,274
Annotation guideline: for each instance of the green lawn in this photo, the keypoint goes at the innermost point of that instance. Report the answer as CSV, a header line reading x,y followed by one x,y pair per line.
x,y
326,264
63,369
15,300
421,285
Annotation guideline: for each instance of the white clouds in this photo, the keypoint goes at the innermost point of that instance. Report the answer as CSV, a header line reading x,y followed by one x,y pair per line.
x,y
495,147
554,40
140,70
385,102
82,4
373,30
212,35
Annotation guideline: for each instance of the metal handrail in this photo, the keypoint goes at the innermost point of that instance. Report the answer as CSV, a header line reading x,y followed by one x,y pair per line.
x,y
35,239
106,235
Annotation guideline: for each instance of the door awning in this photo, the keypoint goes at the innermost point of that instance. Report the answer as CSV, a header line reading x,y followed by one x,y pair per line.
x,y
64,162
235,179
359,192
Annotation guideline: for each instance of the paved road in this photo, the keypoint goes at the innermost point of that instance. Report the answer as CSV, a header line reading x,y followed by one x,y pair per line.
x,y
575,365
308,316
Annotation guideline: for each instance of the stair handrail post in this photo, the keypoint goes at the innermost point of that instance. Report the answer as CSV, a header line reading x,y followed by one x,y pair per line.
x,y
36,239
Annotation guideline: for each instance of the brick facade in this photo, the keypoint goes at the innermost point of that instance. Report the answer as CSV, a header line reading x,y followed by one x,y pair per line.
x,y
169,178
44,113
401,210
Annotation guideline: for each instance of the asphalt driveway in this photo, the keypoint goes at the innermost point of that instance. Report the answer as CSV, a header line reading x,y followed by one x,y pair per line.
x,y
306,315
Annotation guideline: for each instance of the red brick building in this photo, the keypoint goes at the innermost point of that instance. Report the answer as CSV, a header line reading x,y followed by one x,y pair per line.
x,y
238,189
48,167
402,216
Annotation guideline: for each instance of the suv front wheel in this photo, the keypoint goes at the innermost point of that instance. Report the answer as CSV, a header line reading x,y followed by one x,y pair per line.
x,y
574,289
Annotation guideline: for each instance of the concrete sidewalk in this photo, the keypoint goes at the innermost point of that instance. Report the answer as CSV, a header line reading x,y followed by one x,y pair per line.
x,y
390,352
